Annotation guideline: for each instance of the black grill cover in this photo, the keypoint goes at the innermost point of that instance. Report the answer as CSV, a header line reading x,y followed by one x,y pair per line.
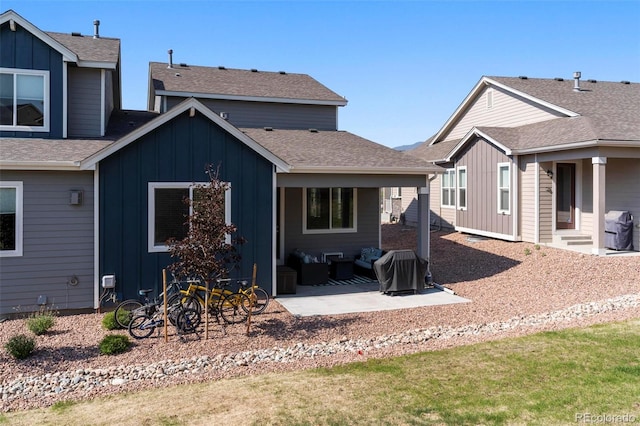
x,y
400,270
618,230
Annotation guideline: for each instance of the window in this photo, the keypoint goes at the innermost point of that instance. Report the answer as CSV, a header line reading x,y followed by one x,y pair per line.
x,y
329,210
168,212
24,100
448,188
504,185
462,187
10,219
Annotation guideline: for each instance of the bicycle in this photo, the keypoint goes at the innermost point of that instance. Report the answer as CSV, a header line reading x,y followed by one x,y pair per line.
x,y
184,319
258,297
125,310
232,307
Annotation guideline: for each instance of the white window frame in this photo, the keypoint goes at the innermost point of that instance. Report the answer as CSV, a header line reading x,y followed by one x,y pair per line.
x,y
506,188
18,186
450,189
160,248
47,116
459,206
330,230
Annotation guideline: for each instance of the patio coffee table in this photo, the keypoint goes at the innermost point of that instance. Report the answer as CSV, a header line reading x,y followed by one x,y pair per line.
x,y
341,268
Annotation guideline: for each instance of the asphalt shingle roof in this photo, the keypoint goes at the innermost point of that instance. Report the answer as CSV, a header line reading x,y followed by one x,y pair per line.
x,y
103,49
612,108
237,82
331,149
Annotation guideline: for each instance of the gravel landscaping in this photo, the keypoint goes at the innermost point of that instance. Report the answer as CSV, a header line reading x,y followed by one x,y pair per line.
x,y
514,288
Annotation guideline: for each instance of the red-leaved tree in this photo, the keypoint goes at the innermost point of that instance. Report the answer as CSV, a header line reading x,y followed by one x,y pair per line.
x,y
209,250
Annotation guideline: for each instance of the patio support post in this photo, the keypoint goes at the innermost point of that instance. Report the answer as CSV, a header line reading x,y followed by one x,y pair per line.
x,y
599,181
423,223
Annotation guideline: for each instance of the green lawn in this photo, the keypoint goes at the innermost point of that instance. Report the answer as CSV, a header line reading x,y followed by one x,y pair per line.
x,y
555,378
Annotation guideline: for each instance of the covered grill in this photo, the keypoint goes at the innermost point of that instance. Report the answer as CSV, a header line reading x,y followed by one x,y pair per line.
x,y
618,230
400,271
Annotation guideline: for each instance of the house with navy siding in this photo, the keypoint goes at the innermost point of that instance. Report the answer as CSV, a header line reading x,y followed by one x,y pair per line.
x,y
89,190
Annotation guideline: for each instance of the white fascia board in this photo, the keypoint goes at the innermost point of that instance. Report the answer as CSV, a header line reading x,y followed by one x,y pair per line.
x,y
96,64
92,160
458,112
485,81
468,136
67,54
562,147
371,171
225,97
538,101
40,165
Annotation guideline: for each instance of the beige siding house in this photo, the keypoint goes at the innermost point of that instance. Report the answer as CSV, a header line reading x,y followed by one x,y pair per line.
x,y
538,160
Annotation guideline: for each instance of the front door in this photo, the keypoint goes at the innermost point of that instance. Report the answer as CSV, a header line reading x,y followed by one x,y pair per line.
x,y
565,196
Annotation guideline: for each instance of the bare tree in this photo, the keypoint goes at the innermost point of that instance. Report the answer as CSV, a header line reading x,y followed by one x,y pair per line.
x,y
208,251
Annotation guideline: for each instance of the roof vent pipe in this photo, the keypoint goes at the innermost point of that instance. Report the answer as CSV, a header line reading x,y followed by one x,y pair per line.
x,y
170,52
96,29
576,81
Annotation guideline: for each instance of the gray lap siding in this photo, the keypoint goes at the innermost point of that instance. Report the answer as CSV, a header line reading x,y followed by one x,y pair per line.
x,y
58,244
179,151
350,244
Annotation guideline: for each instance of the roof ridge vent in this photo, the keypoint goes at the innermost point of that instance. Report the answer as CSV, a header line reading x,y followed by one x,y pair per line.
x,y
559,79
183,64
268,129
254,70
592,81
76,34
313,130
282,72
625,82
523,77
221,67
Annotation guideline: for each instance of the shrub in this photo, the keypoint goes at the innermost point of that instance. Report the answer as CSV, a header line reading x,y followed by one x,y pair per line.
x,y
40,323
20,346
114,344
109,321
527,251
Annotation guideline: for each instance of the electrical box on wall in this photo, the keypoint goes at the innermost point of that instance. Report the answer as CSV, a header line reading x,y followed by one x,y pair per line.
x,y
108,281
75,197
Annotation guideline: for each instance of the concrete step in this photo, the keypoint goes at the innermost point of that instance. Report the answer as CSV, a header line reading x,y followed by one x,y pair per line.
x,y
574,240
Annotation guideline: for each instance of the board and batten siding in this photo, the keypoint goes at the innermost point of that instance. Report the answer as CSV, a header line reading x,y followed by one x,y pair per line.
x,y
84,102
481,159
21,49
58,244
179,151
271,114
507,110
622,177
349,243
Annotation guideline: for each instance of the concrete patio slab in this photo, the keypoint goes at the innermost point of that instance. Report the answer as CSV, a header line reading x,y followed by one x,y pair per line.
x,y
346,299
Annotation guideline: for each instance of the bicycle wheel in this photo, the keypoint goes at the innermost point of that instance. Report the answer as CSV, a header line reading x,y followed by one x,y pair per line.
x,y
188,320
186,301
259,300
141,326
125,311
231,307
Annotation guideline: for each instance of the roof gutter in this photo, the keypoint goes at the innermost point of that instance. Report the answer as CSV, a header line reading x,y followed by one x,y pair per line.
x,y
40,165
227,97
372,171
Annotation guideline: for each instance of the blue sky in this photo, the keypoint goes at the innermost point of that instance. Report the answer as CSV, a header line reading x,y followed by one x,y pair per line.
x,y
404,66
